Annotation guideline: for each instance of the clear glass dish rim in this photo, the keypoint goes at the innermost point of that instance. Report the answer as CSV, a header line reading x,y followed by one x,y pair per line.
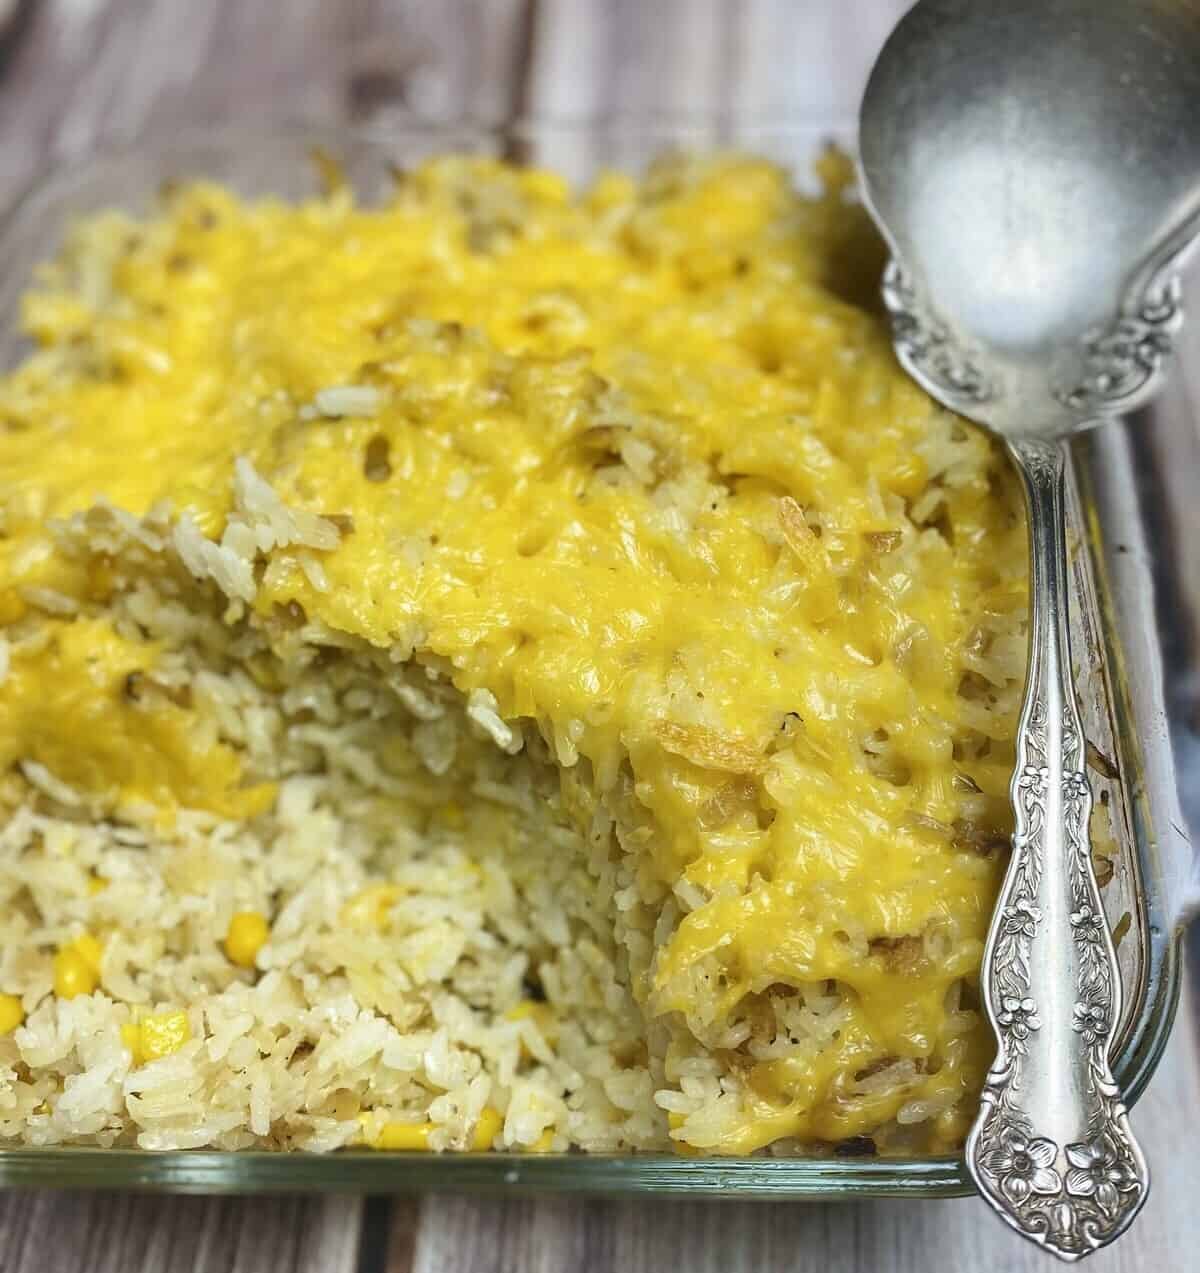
x,y
370,1171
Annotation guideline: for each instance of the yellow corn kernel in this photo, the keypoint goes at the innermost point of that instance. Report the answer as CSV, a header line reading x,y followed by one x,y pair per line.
x,y
156,1035
248,933
681,1147
77,967
12,1014
369,909
163,1034
12,607
541,1014
403,1136
90,950
543,1144
96,884
452,815
73,975
487,1128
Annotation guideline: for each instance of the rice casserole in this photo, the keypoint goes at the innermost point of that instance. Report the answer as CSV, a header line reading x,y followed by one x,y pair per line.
x,y
505,668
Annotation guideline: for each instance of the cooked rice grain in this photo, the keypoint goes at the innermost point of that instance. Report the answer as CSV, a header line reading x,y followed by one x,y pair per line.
x,y
502,670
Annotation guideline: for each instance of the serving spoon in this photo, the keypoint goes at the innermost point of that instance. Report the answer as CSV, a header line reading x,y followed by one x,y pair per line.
x,y
1034,166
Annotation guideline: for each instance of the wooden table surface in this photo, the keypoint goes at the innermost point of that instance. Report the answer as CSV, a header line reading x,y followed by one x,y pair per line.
x,y
77,72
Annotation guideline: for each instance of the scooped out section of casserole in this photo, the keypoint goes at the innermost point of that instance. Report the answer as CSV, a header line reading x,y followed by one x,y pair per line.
x,y
504,668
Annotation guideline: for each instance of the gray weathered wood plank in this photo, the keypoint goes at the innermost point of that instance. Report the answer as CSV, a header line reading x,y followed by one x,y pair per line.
x,y
770,60
128,1233
90,72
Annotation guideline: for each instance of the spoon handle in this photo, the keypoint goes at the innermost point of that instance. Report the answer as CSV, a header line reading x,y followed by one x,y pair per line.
x,y
1052,1150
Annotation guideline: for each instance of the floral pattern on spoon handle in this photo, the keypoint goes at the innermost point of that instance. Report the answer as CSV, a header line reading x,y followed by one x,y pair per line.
x,y
1052,1149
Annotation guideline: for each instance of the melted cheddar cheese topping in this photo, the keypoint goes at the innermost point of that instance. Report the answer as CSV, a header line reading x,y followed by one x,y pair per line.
x,y
638,467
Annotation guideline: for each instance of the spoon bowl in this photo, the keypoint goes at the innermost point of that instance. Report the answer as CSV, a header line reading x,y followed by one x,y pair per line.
x,y
1034,166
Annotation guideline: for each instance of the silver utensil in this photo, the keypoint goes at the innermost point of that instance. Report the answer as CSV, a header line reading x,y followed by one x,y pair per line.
x,y
1035,168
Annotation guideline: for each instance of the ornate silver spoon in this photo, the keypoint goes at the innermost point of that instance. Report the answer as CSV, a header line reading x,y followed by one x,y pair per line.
x,y
1035,168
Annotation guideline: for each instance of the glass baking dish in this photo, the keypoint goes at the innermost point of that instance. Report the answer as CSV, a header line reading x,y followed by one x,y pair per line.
x,y
1118,657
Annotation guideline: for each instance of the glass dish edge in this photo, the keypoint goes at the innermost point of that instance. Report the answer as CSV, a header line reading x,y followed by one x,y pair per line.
x,y
1146,776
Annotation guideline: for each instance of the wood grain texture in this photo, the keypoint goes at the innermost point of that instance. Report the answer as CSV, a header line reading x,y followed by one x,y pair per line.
x,y
764,59
89,72
86,71
114,1233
